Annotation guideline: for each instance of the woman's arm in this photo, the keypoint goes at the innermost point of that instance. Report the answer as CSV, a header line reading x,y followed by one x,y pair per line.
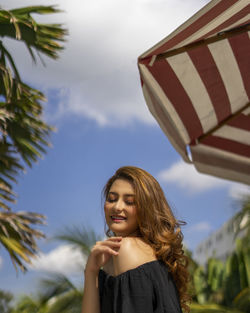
x,y
90,303
99,256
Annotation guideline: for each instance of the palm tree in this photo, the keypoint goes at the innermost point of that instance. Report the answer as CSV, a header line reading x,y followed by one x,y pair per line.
x,y
23,134
59,293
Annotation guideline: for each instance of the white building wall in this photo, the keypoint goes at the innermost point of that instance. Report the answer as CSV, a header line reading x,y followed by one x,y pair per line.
x,y
219,244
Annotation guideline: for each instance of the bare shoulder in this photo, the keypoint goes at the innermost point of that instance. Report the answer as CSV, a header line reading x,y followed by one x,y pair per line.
x,y
133,253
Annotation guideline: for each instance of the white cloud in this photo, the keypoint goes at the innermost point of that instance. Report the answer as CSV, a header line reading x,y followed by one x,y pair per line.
x,y
200,227
1,262
236,191
63,259
186,177
98,68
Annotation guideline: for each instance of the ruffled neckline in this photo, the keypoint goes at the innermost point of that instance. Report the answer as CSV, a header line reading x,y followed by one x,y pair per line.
x,y
144,265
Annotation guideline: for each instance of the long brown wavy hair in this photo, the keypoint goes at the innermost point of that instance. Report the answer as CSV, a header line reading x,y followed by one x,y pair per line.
x,y
157,225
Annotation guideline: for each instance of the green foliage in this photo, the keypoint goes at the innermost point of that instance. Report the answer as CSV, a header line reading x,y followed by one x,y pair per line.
x,y
246,260
56,286
231,279
226,284
241,252
24,136
192,266
220,283
5,300
212,308
17,236
19,24
27,304
242,300
68,303
208,281
23,133
201,286
215,274
58,294
82,238
242,219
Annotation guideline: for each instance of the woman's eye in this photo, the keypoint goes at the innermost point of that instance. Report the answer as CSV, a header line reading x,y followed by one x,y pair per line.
x,y
111,200
130,202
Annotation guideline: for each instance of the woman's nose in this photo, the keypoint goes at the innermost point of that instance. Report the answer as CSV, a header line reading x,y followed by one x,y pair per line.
x,y
119,204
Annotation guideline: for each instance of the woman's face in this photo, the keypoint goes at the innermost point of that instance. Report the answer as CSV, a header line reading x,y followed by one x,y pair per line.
x,y
120,209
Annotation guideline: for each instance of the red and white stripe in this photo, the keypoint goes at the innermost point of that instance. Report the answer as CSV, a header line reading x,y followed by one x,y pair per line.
x,y
197,86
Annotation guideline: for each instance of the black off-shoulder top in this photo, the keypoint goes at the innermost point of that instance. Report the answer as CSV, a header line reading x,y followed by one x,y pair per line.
x,y
148,288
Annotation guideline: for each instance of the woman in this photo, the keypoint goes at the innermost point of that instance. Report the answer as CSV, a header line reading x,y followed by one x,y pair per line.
x,y
141,267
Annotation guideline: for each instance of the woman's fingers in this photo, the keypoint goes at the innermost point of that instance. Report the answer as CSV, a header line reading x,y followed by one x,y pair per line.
x,y
113,239
111,251
102,251
110,243
109,246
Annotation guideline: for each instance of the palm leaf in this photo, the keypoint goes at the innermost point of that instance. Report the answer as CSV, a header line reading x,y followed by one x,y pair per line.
x,y
6,53
56,285
68,303
81,238
27,304
18,24
18,237
36,9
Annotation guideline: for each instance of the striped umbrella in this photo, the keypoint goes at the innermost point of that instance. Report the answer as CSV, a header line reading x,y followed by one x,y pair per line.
x,y
196,83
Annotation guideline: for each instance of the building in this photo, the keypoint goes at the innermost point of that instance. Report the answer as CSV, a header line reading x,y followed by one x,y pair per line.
x,y
221,243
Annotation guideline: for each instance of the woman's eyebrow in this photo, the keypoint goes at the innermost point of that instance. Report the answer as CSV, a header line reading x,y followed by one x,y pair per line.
x,y
126,194
113,193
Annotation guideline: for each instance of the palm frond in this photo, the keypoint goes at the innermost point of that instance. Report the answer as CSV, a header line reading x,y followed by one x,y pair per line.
x,y
6,53
28,304
68,303
79,237
36,9
19,24
18,237
24,134
56,285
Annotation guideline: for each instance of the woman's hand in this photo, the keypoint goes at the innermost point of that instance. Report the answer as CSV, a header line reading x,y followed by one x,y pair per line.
x,y
102,252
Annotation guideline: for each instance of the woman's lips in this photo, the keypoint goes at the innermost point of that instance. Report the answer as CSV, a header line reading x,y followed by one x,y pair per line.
x,y
118,218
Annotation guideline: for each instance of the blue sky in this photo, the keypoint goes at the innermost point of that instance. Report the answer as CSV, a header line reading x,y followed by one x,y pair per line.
x,y
96,103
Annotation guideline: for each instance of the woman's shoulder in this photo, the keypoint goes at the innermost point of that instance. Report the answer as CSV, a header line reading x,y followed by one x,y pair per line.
x,y
133,252
138,246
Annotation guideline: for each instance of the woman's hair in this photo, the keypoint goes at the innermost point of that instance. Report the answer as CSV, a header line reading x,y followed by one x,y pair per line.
x,y
157,225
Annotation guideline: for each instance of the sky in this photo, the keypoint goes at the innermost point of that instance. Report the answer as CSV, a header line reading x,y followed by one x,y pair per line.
x,y
102,122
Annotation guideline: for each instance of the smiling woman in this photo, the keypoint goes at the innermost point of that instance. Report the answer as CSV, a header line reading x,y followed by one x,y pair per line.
x,y
120,210
141,267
